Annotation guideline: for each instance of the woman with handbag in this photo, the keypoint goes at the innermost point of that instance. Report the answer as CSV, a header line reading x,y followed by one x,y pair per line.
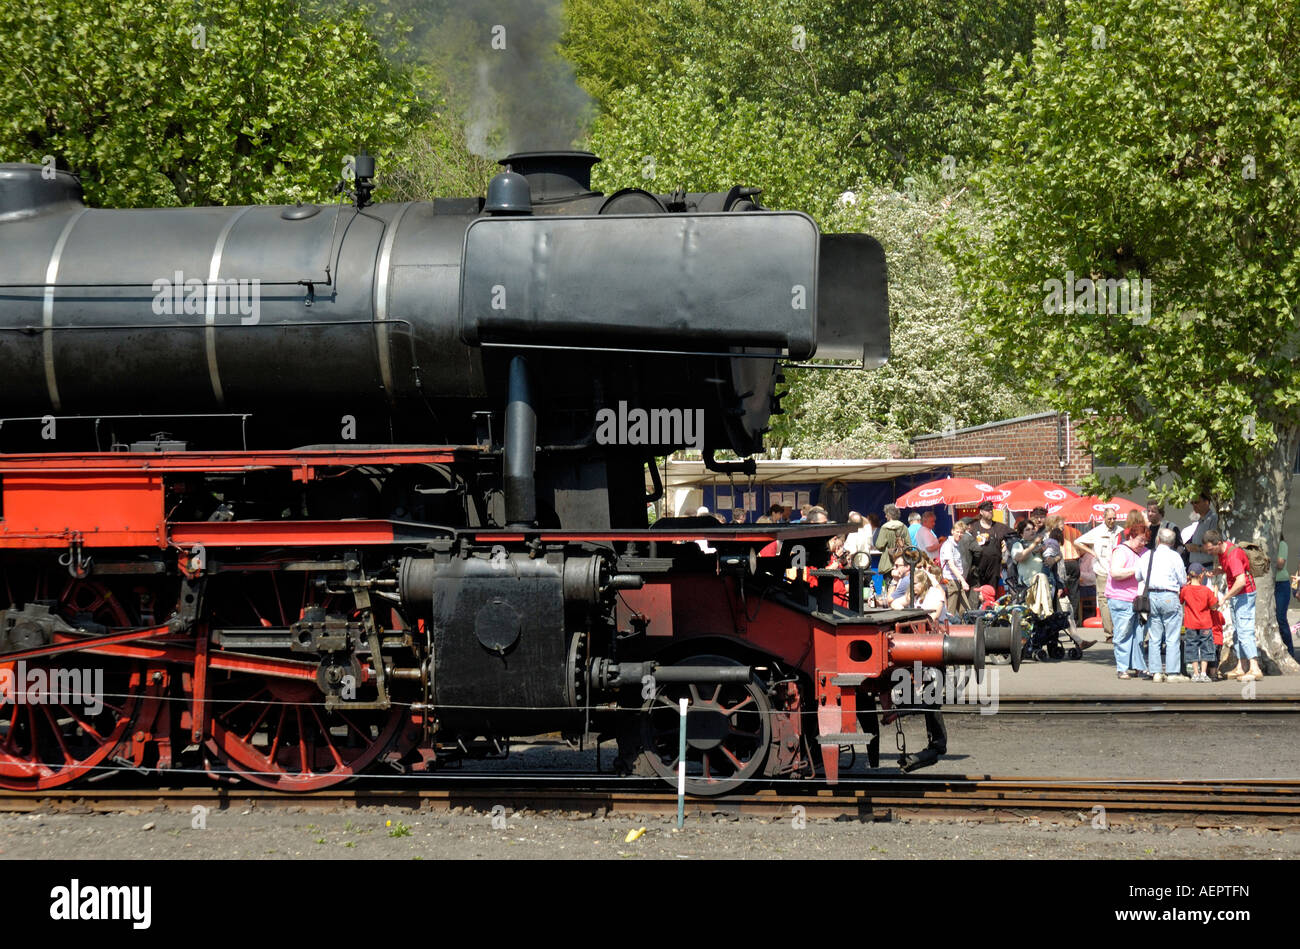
x,y
1121,591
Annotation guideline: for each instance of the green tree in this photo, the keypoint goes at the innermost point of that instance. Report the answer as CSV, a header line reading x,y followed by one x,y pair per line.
x,y
435,162
1155,141
612,44
169,102
907,73
676,132
939,376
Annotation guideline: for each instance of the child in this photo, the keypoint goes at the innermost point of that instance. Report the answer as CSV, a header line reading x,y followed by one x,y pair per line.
x,y
1198,600
1217,619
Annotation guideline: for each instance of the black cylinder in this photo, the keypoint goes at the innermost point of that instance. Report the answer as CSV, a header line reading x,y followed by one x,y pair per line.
x,y
520,448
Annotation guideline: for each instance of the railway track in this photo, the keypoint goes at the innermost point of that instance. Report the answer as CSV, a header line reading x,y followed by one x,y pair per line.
x,y
1092,705
1271,803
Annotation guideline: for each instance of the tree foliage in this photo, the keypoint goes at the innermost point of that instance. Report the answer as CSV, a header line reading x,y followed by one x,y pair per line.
x,y
434,161
1158,141
906,74
939,376
165,102
1155,145
676,132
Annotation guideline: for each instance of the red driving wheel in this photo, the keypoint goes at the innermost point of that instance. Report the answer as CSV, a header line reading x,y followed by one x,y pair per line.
x,y
64,715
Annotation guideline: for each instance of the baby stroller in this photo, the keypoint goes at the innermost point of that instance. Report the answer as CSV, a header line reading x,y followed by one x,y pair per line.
x,y
1050,632
1003,625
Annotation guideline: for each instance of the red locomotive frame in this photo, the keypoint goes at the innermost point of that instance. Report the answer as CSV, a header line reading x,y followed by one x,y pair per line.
x,y
175,683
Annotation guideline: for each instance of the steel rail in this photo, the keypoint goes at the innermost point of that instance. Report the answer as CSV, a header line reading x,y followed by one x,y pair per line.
x,y
1214,802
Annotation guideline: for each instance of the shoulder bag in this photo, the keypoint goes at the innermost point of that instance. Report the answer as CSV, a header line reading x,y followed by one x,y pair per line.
x,y
1142,602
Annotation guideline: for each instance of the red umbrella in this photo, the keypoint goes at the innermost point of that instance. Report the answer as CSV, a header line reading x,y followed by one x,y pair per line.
x,y
1029,494
1090,507
948,491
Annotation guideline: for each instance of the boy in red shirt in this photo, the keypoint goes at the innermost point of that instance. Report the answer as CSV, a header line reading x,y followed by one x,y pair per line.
x,y
1198,600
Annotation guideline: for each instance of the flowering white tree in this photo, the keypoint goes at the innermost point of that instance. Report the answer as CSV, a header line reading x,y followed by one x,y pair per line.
x,y
940,374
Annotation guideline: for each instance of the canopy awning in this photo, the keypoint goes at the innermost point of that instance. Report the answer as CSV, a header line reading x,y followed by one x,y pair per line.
x,y
683,474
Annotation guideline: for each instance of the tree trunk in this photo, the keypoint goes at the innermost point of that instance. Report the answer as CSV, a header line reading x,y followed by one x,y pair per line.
x,y
1262,489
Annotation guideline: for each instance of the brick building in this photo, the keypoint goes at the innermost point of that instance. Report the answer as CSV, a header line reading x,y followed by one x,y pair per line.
x,y
1045,446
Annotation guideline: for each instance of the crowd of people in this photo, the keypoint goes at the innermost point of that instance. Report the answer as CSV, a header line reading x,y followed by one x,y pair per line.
x,y
1166,596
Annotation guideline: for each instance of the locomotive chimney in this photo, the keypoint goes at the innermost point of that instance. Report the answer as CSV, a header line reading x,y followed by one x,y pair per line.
x,y
554,176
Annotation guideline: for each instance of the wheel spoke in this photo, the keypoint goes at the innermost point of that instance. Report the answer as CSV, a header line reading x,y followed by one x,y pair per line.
x,y
732,758
279,729
85,725
326,735
748,700
695,694
230,713
256,612
13,723
302,740
310,748
279,603
266,709
33,734
57,729
348,722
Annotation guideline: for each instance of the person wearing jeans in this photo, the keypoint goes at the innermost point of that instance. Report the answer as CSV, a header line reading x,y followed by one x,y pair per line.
x,y
1121,588
1240,598
1282,594
1125,624
1100,541
1164,566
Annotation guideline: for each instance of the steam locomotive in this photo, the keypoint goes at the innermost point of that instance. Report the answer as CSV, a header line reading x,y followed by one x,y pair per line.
x,y
292,492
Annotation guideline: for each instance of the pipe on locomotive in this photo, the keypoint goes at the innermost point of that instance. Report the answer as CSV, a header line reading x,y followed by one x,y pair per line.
x,y
520,454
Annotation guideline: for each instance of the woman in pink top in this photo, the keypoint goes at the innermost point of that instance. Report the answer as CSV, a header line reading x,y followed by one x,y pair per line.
x,y
1121,588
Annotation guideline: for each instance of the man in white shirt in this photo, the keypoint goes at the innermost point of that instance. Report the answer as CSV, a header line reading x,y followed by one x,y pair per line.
x,y
954,571
1164,565
926,538
859,539
704,545
1207,521
1100,542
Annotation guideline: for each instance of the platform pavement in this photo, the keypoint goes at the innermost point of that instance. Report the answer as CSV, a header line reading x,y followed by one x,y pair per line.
x,y
1093,676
